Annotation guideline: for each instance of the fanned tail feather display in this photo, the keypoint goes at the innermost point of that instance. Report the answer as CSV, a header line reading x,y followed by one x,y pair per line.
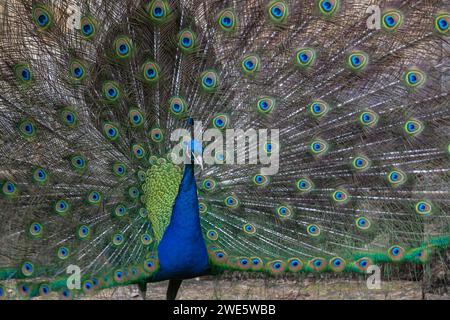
x,y
91,93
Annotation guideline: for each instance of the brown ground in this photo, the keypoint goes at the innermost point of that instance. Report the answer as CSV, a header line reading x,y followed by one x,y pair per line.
x,y
301,289
282,289
237,286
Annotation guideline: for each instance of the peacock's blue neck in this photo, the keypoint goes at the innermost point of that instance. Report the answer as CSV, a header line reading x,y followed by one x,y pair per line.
x,y
182,252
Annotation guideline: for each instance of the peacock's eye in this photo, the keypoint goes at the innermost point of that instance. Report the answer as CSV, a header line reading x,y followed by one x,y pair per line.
x,y
42,17
227,20
209,80
392,20
278,11
187,41
251,64
441,23
328,7
357,61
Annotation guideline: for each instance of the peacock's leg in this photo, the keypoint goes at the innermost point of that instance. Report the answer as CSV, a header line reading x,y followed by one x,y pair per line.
x,y
172,289
143,289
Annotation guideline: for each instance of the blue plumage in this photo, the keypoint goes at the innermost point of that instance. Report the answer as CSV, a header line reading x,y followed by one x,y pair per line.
x,y
182,252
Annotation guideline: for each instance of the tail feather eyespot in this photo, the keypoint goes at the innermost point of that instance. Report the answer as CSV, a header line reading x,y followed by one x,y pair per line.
x,y
441,23
317,264
337,264
363,263
209,81
158,11
305,57
328,7
392,20
294,264
276,267
396,253
251,64
278,11
42,17
187,41
88,27
227,20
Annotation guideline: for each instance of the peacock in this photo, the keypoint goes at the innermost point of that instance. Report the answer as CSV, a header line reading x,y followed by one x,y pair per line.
x,y
143,141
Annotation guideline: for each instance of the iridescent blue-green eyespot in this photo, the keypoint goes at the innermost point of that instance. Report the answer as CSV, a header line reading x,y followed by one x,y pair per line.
x,y
278,11
62,207
94,197
178,106
424,208
187,41
209,80
156,135
9,189
209,184
441,23
340,196
119,169
261,180
227,20
305,57
361,163
328,7
251,64
111,131
304,184
27,129
69,117
318,108
313,230
357,60
35,229
220,121
362,223
284,211
266,105
150,72
248,228
138,151
88,27
396,177
83,232
212,235
158,11
77,71
123,47
413,127
414,78
368,118
135,118
42,17
78,162
40,176
392,20
23,73
318,147
231,202
111,91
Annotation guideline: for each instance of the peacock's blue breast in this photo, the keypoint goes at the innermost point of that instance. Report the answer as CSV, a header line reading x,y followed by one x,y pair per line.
x,y
182,252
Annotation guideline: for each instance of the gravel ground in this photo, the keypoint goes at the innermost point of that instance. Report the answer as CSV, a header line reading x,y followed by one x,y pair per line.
x,y
285,289
251,287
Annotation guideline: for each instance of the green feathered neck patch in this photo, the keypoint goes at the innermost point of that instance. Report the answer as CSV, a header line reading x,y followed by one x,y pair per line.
x,y
160,188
